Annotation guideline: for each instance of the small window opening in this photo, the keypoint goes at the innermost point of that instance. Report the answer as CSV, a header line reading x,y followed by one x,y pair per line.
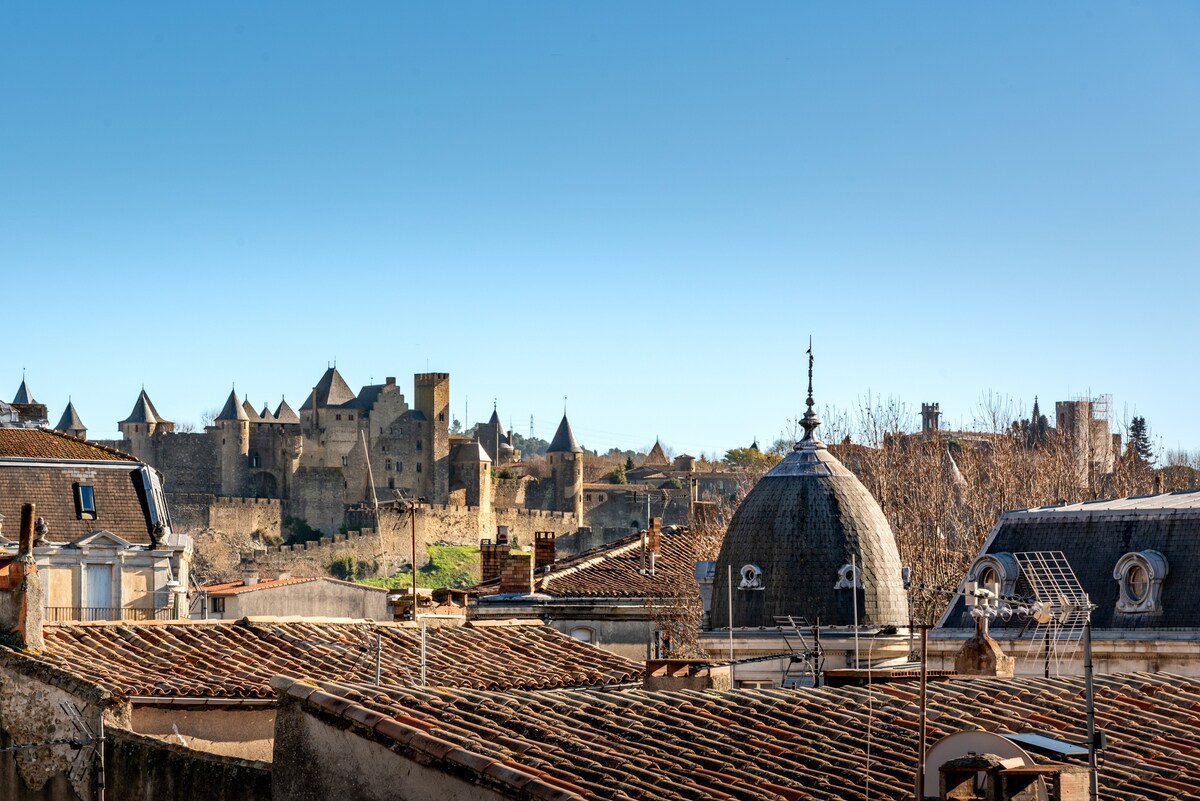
x,y
85,502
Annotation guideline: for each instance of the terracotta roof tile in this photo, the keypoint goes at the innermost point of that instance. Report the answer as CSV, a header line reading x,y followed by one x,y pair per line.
x,y
238,659
614,570
782,744
46,443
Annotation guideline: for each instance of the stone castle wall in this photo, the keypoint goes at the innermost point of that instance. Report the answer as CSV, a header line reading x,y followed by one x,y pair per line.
x,y
509,493
194,512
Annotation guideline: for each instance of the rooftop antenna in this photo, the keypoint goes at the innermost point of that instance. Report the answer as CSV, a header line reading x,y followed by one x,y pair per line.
x,y
1069,610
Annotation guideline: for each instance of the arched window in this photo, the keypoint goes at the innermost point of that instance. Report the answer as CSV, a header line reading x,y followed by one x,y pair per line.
x,y
1139,576
584,634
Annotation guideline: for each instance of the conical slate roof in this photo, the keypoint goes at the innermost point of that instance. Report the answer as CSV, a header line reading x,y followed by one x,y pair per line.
x,y
564,439
332,390
495,423
23,393
793,538
233,409
657,456
285,414
70,420
248,408
265,414
144,411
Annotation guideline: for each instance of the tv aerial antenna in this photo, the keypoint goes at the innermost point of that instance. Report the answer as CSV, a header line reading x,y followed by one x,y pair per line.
x,y
1064,608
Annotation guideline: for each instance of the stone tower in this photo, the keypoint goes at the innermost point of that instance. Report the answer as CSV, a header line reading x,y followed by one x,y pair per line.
x,y
473,467
70,423
930,414
432,396
232,425
566,469
142,424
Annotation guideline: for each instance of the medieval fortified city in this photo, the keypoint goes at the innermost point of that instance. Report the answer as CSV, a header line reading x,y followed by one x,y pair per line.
x,y
633,401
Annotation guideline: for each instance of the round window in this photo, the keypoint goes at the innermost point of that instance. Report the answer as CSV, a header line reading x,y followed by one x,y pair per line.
x,y
1137,582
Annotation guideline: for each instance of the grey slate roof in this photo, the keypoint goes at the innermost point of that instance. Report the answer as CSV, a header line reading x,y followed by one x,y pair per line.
x,y
1093,536
144,411
70,419
471,452
23,393
285,413
265,414
332,390
251,414
802,522
495,423
564,439
233,409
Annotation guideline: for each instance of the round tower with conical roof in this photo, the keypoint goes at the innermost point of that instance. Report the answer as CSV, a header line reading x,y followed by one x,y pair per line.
x,y
809,541
566,469
232,426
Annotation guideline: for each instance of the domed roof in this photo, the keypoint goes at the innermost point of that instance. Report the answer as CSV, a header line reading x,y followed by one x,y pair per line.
x,y
793,539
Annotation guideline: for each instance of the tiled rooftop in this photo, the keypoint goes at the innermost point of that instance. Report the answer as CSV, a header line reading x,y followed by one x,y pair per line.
x,y
46,443
846,743
614,570
238,659
238,587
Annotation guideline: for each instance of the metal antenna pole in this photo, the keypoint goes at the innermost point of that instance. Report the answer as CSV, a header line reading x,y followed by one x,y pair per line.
x,y
924,702
378,657
729,570
412,513
854,599
1090,700
422,653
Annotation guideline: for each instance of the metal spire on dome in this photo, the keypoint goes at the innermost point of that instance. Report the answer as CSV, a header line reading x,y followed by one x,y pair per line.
x,y
810,421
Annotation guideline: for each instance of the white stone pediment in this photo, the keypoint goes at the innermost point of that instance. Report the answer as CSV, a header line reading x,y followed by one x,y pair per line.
x,y
101,538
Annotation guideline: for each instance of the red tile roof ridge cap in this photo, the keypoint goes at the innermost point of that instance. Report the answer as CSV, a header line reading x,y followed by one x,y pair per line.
x,y
128,457
239,587
252,620
182,621
430,745
512,621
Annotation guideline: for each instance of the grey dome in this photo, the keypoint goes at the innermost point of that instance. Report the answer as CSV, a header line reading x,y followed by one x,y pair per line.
x,y
794,535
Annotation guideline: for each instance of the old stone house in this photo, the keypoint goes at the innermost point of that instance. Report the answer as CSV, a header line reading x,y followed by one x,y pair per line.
x,y
104,539
1137,562
626,596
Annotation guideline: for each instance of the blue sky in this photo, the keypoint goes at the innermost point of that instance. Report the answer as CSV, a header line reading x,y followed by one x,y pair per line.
x,y
643,207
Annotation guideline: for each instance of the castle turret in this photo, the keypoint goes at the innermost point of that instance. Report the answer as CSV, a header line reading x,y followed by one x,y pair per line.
x,y
566,468
31,413
433,401
232,425
473,467
70,423
141,424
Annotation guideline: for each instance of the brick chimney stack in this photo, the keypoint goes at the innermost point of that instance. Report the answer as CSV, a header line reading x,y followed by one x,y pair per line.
x,y
489,557
654,536
543,550
516,573
21,595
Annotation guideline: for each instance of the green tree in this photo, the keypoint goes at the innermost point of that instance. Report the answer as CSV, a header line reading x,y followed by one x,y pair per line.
x,y
1139,440
752,460
618,475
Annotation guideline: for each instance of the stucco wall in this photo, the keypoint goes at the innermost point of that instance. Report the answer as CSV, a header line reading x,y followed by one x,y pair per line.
x,y
360,769
141,768
245,732
30,712
312,599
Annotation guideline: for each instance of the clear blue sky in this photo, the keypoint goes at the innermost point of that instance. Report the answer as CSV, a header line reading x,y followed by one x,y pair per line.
x,y
644,207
